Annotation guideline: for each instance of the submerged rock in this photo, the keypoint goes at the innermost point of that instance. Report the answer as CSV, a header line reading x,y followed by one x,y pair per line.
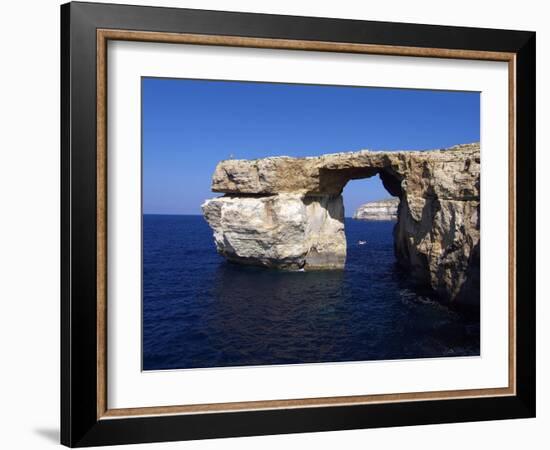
x,y
287,212
379,210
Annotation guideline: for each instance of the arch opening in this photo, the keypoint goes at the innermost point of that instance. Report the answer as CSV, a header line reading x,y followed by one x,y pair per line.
x,y
358,192
370,217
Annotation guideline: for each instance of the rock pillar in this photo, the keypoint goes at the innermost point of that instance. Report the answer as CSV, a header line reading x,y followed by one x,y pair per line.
x,y
284,231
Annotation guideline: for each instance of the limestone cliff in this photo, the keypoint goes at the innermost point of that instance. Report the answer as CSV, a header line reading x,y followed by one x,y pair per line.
x,y
378,210
287,212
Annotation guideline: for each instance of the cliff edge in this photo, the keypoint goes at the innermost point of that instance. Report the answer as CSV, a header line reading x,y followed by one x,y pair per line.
x,y
378,210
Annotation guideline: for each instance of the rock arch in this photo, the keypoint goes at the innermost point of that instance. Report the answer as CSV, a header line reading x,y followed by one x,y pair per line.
x,y
288,213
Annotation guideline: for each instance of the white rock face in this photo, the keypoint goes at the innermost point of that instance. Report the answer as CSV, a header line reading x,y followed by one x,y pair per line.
x,y
379,210
285,231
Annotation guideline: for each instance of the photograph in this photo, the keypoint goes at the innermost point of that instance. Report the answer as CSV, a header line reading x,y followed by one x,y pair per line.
x,y
280,220
287,223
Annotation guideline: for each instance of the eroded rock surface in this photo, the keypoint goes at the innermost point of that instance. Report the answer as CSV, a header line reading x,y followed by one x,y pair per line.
x,y
284,231
287,212
378,210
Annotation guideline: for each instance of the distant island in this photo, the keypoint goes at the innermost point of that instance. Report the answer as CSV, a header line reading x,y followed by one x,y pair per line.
x,y
378,210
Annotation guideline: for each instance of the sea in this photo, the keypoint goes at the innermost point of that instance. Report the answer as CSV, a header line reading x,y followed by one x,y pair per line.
x,y
201,311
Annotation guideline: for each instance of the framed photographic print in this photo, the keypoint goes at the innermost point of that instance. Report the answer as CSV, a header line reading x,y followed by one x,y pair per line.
x,y
276,224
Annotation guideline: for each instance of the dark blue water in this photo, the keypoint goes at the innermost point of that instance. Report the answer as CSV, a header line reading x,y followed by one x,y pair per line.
x,y
201,311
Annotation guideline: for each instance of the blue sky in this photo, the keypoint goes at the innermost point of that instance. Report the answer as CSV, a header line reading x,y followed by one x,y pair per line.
x,y
190,125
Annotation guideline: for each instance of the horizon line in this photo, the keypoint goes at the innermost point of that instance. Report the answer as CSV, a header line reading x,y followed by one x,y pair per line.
x,y
201,215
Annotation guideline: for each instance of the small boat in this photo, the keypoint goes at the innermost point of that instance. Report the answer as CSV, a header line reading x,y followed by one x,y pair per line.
x,y
362,242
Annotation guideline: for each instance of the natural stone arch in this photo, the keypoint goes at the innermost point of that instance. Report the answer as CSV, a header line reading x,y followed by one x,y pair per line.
x,y
288,213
